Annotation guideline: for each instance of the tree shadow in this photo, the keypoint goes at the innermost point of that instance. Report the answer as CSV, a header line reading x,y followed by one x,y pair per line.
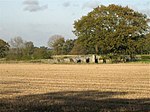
x,y
74,101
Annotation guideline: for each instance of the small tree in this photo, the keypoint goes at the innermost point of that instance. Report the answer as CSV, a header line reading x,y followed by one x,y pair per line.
x,y
28,50
53,39
16,48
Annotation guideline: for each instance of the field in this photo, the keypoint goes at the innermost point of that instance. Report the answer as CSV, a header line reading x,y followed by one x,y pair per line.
x,y
75,88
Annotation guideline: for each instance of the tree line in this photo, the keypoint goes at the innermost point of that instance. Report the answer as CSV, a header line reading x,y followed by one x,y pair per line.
x,y
107,30
18,49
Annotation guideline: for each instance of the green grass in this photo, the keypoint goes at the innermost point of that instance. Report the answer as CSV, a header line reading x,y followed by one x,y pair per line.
x,y
143,61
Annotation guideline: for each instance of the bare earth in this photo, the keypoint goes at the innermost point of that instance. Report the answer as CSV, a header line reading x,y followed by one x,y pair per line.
x,y
74,88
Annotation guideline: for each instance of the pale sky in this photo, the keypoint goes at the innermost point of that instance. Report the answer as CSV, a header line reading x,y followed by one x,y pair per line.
x,y
37,20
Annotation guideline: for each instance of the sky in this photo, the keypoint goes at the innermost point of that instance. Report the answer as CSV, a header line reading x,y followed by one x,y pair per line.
x,y
38,20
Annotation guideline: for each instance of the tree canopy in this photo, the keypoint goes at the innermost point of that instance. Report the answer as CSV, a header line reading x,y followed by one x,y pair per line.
x,y
111,29
60,46
4,47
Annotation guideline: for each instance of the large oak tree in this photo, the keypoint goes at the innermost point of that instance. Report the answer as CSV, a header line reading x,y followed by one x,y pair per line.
x,y
111,29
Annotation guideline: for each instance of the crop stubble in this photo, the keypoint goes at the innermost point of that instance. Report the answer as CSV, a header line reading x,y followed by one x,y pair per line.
x,y
29,79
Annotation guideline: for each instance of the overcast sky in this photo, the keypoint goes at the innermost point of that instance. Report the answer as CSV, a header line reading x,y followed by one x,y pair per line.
x,y
37,20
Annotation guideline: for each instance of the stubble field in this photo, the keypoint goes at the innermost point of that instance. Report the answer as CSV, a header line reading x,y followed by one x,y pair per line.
x,y
74,88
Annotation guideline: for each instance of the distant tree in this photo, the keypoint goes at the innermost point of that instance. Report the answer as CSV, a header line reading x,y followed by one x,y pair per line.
x,y
28,50
113,29
61,46
16,48
4,47
53,39
25,50
56,42
17,42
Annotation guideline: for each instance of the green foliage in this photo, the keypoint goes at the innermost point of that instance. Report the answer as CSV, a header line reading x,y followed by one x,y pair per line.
x,y
143,47
145,57
14,54
22,50
16,49
68,46
28,50
26,54
60,46
41,53
113,29
53,40
4,47
78,49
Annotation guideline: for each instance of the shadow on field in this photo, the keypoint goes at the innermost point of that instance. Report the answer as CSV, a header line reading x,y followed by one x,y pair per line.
x,y
81,101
